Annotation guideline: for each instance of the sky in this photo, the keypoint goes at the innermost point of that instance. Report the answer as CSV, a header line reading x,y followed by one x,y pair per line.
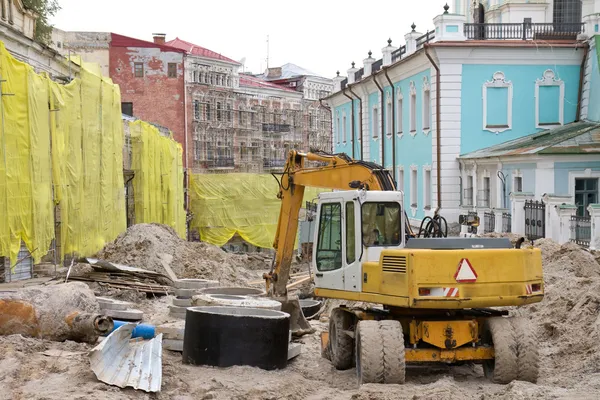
x,y
322,36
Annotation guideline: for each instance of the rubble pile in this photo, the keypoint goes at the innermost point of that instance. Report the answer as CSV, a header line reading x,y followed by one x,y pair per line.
x,y
154,246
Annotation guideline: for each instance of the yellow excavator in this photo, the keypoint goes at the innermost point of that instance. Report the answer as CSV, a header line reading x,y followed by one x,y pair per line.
x,y
430,295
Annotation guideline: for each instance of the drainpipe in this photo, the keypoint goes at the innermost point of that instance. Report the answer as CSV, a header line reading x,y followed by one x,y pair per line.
x,y
331,119
382,120
581,76
352,123
360,117
385,71
438,129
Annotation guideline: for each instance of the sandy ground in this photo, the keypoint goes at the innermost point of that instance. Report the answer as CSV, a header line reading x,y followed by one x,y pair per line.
x,y
567,324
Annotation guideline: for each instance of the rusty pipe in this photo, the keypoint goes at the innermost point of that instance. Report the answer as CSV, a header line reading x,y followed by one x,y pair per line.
x,y
382,120
385,71
437,127
360,117
581,77
352,123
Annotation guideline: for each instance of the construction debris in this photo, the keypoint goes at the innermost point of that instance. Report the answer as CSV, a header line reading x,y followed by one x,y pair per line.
x,y
122,361
57,312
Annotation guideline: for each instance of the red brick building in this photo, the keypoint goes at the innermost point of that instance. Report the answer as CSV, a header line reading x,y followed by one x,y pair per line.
x,y
151,77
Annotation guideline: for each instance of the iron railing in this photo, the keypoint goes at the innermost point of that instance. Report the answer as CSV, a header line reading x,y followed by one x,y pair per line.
x,y
489,222
581,230
427,37
226,162
535,219
397,54
506,223
523,31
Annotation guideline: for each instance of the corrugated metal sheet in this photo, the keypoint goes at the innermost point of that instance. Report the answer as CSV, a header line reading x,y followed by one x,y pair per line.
x,y
122,361
192,48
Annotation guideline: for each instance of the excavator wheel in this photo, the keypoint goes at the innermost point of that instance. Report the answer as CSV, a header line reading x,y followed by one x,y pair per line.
x,y
499,332
528,358
341,345
369,353
394,365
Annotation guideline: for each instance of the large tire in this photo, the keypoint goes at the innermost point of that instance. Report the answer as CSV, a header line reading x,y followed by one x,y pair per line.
x,y
528,358
503,368
369,353
341,345
394,365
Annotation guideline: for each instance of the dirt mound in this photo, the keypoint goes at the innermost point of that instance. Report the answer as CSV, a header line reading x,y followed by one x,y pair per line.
x,y
152,246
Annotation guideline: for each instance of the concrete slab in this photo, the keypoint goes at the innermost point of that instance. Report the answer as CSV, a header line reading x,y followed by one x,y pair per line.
x,y
128,314
294,350
178,312
186,293
182,302
194,283
172,330
173,345
112,304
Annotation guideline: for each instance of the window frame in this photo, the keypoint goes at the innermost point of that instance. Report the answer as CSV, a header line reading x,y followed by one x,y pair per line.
x,y
349,239
172,70
141,70
320,237
400,211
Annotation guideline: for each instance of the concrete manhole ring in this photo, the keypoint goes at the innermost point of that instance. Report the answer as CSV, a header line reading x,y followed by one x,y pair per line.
x,y
233,290
235,301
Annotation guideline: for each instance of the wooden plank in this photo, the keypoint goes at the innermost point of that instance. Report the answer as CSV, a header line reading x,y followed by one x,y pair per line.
x,y
299,282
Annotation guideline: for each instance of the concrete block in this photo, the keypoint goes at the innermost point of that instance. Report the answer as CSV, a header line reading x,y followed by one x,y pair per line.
x,y
177,312
294,350
172,331
182,302
128,314
194,283
112,304
186,293
173,345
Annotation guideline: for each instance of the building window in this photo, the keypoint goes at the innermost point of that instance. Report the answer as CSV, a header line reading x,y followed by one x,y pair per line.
x,y
468,192
427,189
485,194
208,112
586,193
388,117
566,12
127,109
10,12
549,100
375,123
196,110
3,9
399,116
344,127
413,187
338,127
413,109
172,70
138,69
218,111
497,104
426,106
518,184
229,112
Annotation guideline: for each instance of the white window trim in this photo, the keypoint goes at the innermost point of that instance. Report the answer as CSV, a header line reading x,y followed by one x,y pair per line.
x,y
426,108
427,168
401,186
389,114
374,132
399,113
587,173
344,128
516,173
414,185
337,127
498,81
549,79
412,92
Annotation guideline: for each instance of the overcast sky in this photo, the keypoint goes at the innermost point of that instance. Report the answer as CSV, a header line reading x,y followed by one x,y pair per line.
x,y
320,35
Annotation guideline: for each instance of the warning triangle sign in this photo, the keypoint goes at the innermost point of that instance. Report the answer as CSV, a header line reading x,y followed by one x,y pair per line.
x,y
465,272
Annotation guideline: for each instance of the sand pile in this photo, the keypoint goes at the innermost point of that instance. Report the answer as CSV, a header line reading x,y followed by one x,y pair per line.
x,y
152,246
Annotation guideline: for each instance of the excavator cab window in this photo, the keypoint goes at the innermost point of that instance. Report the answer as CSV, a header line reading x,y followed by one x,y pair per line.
x,y
329,242
381,224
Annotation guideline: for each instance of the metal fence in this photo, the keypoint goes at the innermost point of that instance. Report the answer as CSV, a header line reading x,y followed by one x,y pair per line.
x,y
489,222
506,223
581,230
535,219
523,31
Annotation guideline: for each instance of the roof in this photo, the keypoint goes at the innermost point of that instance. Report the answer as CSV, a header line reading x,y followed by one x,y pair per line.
x,y
574,138
194,49
117,40
288,71
253,81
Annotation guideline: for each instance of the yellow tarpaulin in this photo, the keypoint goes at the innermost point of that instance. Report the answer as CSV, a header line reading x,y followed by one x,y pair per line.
x,y
246,204
158,177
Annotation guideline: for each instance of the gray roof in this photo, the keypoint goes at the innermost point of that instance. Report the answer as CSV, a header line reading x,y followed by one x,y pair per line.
x,y
574,138
288,71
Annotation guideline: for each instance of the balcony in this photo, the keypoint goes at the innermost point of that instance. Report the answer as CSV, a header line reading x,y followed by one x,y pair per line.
x,y
523,31
217,163
276,128
273,164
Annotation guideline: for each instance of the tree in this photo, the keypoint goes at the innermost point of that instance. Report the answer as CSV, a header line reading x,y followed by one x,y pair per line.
x,y
45,9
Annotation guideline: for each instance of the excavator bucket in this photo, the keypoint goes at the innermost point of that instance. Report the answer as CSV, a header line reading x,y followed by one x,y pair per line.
x,y
298,323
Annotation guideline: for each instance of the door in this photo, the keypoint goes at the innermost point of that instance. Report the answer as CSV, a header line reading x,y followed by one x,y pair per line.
x,y
353,247
328,252
586,193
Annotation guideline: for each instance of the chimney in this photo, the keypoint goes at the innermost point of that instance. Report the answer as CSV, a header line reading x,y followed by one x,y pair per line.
x,y
159,38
